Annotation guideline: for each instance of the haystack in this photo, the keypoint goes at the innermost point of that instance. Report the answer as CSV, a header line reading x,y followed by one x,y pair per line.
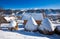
x,y
46,27
31,25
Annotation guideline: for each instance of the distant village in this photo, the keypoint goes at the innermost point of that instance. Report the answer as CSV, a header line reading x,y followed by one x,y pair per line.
x,y
17,11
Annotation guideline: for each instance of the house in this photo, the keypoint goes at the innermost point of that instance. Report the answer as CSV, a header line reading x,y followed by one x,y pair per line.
x,y
46,27
3,20
25,17
31,25
9,18
13,25
37,16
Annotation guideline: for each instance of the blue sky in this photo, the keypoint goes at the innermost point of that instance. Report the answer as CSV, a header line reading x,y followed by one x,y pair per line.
x,y
17,4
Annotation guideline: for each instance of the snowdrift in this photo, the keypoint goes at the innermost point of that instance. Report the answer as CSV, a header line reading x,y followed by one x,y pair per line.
x,y
31,25
46,27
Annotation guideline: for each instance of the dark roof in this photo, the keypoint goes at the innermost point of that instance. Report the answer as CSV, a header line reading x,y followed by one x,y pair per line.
x,y
2,19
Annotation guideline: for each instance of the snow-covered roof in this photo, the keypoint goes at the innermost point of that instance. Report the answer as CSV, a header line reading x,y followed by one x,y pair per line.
x,y
31,21
47,24
36,16
31,24
9,18
25,16
51,25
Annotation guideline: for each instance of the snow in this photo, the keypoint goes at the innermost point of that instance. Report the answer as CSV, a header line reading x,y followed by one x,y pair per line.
x,y
53,14
36,16
46,24
52,25
5,25
21,34
20,21
12,23
58,28
25,16
56,24
9,18
31,24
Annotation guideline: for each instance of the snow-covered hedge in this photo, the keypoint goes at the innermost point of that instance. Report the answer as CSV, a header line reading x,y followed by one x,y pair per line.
x,y
46,27
31,25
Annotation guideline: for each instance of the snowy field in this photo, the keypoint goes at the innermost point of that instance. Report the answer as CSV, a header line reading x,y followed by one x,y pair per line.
x,y
21,34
